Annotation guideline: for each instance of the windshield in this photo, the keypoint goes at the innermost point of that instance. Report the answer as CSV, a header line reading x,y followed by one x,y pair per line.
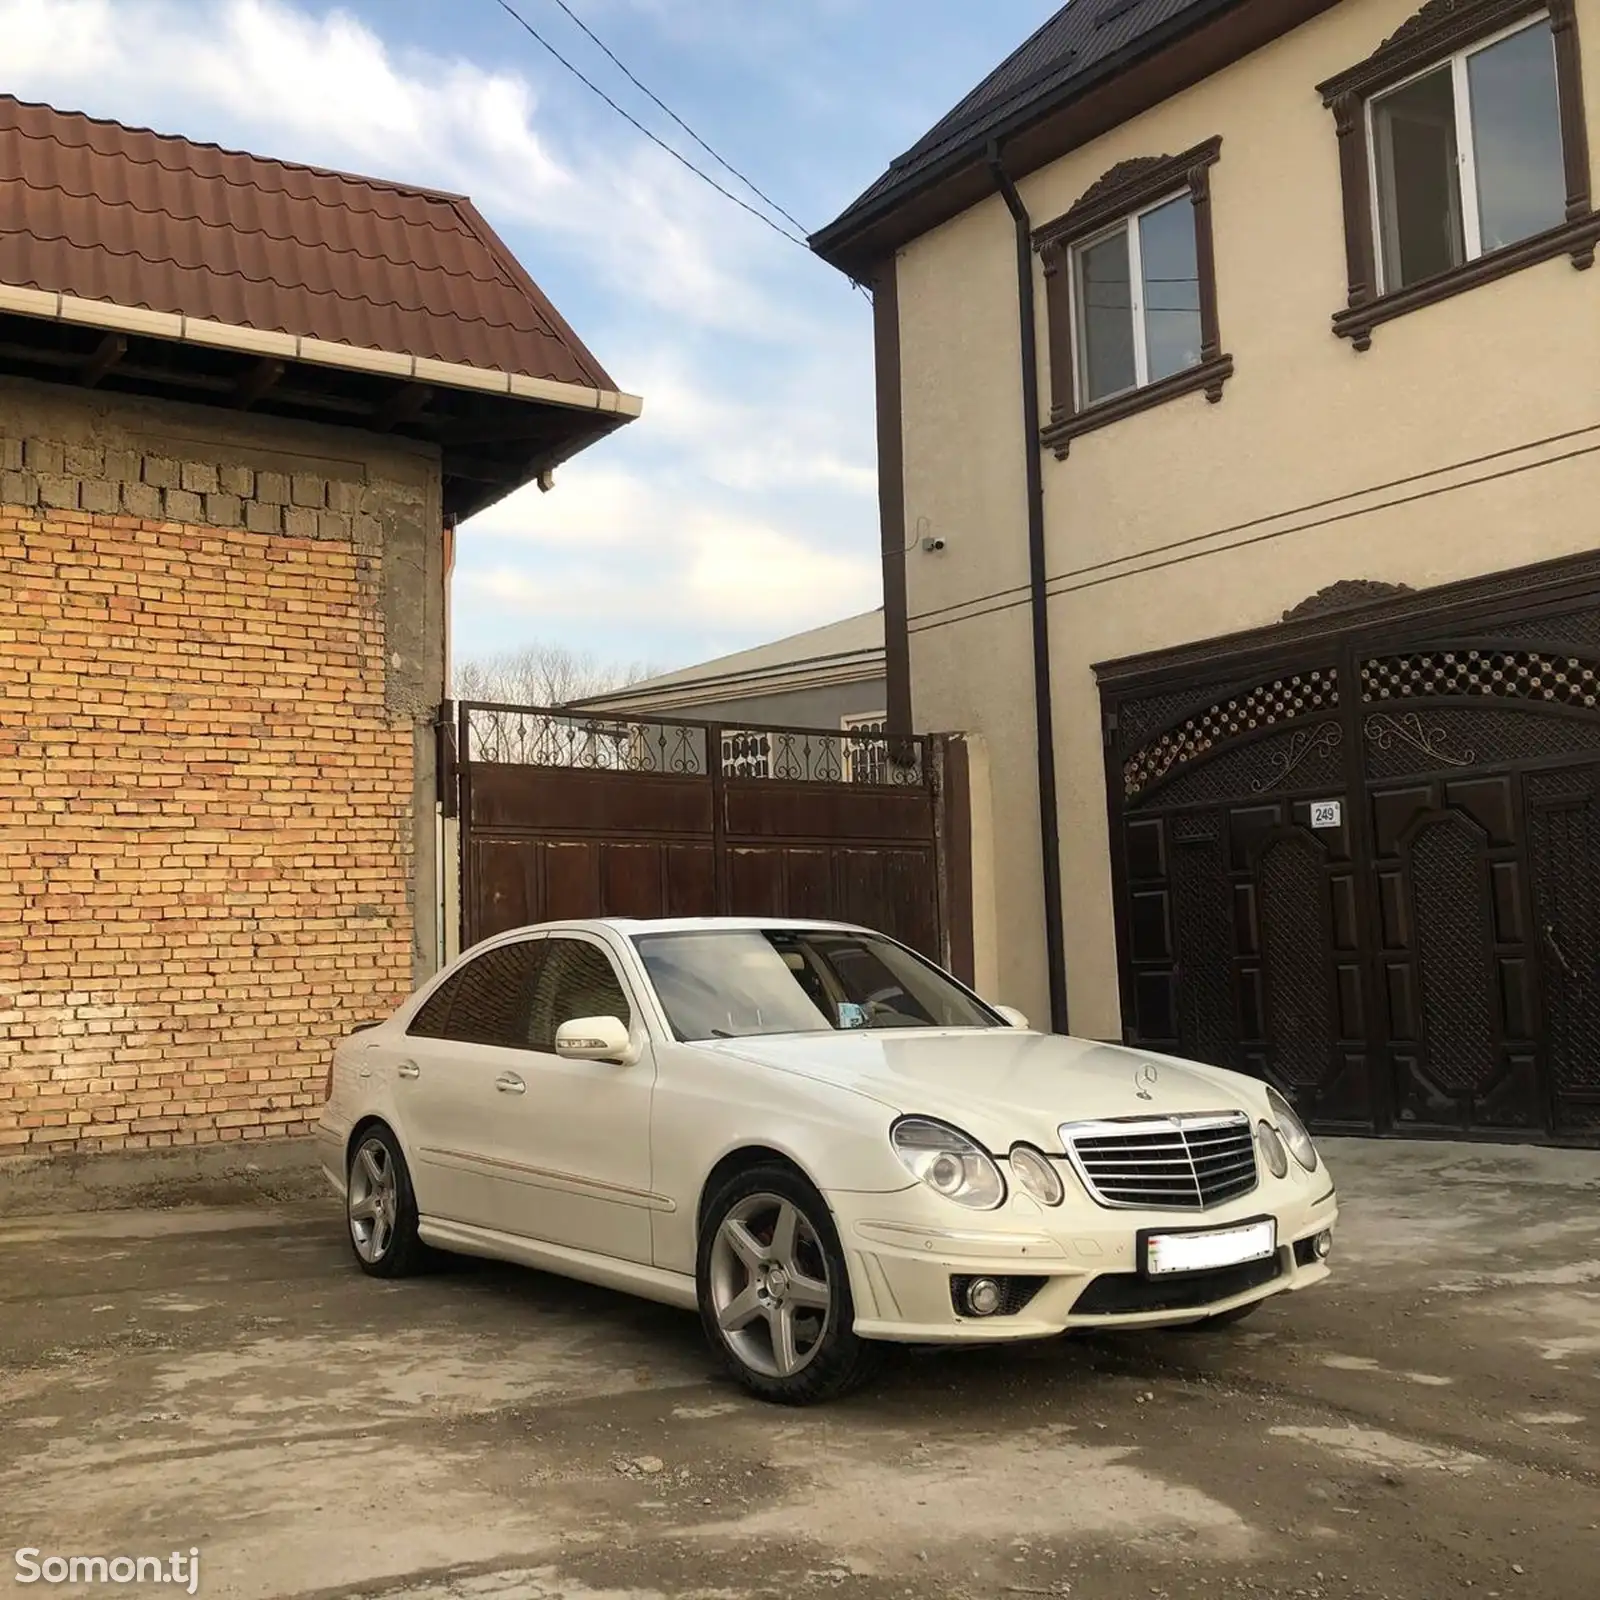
x,y
733,983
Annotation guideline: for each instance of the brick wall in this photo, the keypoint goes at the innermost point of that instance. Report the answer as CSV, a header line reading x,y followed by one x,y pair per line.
x,y
53,476
207,831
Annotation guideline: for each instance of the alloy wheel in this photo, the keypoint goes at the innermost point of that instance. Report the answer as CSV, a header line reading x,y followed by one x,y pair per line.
x,y
374,1200
769,1285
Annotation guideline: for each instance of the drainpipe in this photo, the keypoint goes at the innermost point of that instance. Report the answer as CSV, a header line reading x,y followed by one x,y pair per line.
x,y
1043,709
446,863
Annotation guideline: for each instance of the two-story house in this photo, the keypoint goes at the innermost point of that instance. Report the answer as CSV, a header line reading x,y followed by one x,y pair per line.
x,y
1238,371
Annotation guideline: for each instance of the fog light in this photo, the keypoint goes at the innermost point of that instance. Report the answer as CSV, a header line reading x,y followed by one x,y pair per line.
x,y
983,1297
1323,1245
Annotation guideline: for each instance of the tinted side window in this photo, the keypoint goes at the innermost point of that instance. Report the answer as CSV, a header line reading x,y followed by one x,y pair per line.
x,y
486,1002
576,980
434,1017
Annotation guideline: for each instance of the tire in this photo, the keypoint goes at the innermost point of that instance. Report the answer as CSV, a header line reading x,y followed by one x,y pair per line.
x,y
381,1208
769,1261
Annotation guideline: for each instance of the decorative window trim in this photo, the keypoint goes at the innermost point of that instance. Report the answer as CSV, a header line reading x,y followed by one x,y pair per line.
x,y
1127,188
1434,34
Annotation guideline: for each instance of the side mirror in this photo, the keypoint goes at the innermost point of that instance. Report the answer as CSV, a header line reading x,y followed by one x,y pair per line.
x,y
594,1039
1012,1016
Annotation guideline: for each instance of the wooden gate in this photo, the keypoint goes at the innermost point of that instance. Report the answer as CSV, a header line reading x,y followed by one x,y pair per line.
x,y
568,815
1363,862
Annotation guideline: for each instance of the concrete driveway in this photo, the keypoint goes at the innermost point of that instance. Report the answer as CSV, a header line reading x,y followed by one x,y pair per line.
x,y
1427,1424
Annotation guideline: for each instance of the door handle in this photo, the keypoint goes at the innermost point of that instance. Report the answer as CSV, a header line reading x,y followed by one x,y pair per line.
x,y
408,1069
1561,957
510,1083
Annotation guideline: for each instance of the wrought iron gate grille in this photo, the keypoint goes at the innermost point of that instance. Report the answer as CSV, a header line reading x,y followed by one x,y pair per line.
x,y
1508,674
1268,704
533,736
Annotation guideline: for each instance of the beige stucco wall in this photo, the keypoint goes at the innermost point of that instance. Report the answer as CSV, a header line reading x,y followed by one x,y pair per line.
x,y
1138,518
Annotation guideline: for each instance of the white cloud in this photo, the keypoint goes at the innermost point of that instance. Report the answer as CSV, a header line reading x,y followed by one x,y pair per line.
x,y
732,578
784,430
624,551
593,505
771,580
326,89
327,81
741,505
730,520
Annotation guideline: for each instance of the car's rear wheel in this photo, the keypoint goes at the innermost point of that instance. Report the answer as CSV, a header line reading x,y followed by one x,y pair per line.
x,y
775,1292
381,1207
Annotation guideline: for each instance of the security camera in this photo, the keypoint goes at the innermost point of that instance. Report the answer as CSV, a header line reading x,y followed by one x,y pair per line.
x,y
933,544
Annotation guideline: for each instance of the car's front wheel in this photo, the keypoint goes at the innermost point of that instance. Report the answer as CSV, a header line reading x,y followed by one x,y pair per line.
x,y
774,1291
381,1207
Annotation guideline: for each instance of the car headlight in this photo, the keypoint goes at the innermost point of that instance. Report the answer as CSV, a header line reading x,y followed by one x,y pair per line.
x,y
1293,1130
949,1162
1036,1175
1272,1149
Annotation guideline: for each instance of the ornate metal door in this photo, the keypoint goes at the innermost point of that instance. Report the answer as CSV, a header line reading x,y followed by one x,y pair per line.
x,y
1241,939
1459,976
1485,852
1373,877
1564,833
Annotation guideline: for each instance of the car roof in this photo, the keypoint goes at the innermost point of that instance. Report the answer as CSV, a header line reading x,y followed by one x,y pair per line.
x,y
636,925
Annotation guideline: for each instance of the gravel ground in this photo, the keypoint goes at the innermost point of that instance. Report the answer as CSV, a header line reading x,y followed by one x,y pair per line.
x,y
220,1378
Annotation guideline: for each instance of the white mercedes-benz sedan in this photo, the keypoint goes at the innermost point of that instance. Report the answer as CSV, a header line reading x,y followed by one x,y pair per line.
x,y
817,1138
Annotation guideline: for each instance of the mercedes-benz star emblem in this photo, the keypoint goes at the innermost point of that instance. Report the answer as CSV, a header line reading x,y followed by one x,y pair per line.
x,y
1144,1080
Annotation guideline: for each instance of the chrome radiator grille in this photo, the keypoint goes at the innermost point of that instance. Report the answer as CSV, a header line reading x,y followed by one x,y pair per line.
x,y
1185,1163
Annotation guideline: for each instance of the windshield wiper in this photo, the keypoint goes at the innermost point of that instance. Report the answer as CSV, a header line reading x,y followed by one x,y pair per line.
x,y
768,1033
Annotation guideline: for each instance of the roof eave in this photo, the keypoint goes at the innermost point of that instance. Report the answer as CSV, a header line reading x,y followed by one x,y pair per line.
x,y
50,305
859,666
493,431
1150,69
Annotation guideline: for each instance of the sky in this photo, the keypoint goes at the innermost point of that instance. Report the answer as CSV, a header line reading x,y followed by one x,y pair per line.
x,y
742,505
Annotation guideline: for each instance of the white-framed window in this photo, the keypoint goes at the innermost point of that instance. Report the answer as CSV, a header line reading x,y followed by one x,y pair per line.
x,y
865,760
1466,156
1136,296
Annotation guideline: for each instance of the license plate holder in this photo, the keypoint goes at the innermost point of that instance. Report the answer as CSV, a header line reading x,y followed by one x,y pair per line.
x,y
1168,1252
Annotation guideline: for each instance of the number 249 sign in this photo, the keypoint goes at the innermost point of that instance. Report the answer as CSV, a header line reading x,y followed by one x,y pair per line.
x,y
1326,813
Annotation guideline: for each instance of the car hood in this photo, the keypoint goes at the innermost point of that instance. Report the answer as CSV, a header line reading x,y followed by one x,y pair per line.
x,y
1001,1084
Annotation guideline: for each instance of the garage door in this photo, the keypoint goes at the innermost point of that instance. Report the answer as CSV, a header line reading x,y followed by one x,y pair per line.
x,y
1360,859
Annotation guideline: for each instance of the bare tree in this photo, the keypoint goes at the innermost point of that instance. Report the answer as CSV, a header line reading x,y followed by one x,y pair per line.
x,y
542,675
551,677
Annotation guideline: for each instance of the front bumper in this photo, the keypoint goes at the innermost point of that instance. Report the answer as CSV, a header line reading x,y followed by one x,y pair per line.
x,y
902,1261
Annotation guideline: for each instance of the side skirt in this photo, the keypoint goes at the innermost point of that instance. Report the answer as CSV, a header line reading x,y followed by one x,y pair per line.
x,y
649,1283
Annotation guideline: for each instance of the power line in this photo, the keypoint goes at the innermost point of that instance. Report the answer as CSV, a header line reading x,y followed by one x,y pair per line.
x,y
727,166
704,177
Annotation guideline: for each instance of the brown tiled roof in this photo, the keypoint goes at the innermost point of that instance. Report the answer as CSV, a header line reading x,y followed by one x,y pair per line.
x,y
106,212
